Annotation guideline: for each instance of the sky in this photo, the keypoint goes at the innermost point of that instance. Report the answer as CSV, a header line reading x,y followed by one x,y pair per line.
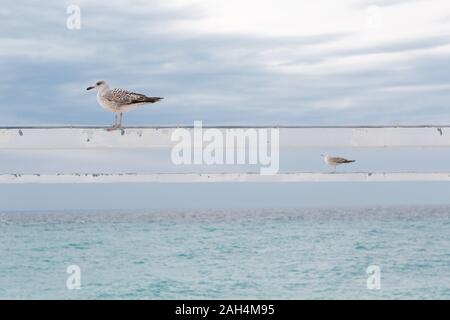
x,y
224,62
229,62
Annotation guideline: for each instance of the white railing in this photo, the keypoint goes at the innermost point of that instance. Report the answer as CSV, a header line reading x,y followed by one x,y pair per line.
x,y
34,138
66,138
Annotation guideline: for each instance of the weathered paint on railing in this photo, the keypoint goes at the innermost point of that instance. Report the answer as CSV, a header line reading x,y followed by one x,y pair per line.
x,y
225,177
64,138
51,138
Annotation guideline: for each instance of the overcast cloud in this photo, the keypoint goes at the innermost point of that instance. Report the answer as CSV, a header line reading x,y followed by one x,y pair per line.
x,y
229,62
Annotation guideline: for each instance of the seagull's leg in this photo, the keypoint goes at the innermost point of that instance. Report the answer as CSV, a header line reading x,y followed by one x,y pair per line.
x,y
114,126
121,117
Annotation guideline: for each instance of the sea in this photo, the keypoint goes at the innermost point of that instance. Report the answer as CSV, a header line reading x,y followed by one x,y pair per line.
x,y
317,253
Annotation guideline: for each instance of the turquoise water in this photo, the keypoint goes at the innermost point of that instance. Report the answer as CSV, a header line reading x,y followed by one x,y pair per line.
x,y
209,254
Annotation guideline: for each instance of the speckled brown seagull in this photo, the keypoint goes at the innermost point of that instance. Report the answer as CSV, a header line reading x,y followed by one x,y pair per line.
x,y
335,161
119,101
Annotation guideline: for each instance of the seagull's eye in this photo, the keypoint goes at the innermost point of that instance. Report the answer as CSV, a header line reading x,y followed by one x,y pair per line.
x,y
99,83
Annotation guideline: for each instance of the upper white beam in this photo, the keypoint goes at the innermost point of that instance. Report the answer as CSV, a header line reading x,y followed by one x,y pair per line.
x,y
160,137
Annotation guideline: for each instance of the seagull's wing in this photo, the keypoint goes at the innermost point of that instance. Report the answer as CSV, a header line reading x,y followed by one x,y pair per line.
x,y
124,97
340,160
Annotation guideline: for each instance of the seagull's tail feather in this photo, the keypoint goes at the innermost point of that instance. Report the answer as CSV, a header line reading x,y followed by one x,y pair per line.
x,y
152,99
350,161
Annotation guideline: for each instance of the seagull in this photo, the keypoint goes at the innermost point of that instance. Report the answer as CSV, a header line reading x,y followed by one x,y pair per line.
x,y
335,161
119,101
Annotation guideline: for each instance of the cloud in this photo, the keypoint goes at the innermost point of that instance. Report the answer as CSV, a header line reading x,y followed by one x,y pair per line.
x,y
227,62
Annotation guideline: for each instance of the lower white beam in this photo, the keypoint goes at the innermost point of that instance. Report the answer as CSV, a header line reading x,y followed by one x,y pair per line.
x,y
225,177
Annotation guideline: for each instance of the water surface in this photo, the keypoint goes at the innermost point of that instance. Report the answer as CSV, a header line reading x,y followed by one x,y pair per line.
x,y
225,254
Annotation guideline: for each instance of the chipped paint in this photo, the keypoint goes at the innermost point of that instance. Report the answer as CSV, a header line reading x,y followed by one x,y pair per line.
x,y
290,137
155,137
62,178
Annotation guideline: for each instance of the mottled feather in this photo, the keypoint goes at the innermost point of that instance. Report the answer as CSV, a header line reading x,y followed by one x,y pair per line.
x,y
124,97
340,160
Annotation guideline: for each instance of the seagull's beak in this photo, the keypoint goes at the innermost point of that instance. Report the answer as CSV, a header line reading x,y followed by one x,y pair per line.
x,y
90,88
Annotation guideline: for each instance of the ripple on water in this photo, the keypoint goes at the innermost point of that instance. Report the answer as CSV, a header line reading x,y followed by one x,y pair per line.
x,y
270,254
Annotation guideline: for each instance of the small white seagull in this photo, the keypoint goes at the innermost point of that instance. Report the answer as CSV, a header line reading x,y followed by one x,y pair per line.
x,y
119,101
335,161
